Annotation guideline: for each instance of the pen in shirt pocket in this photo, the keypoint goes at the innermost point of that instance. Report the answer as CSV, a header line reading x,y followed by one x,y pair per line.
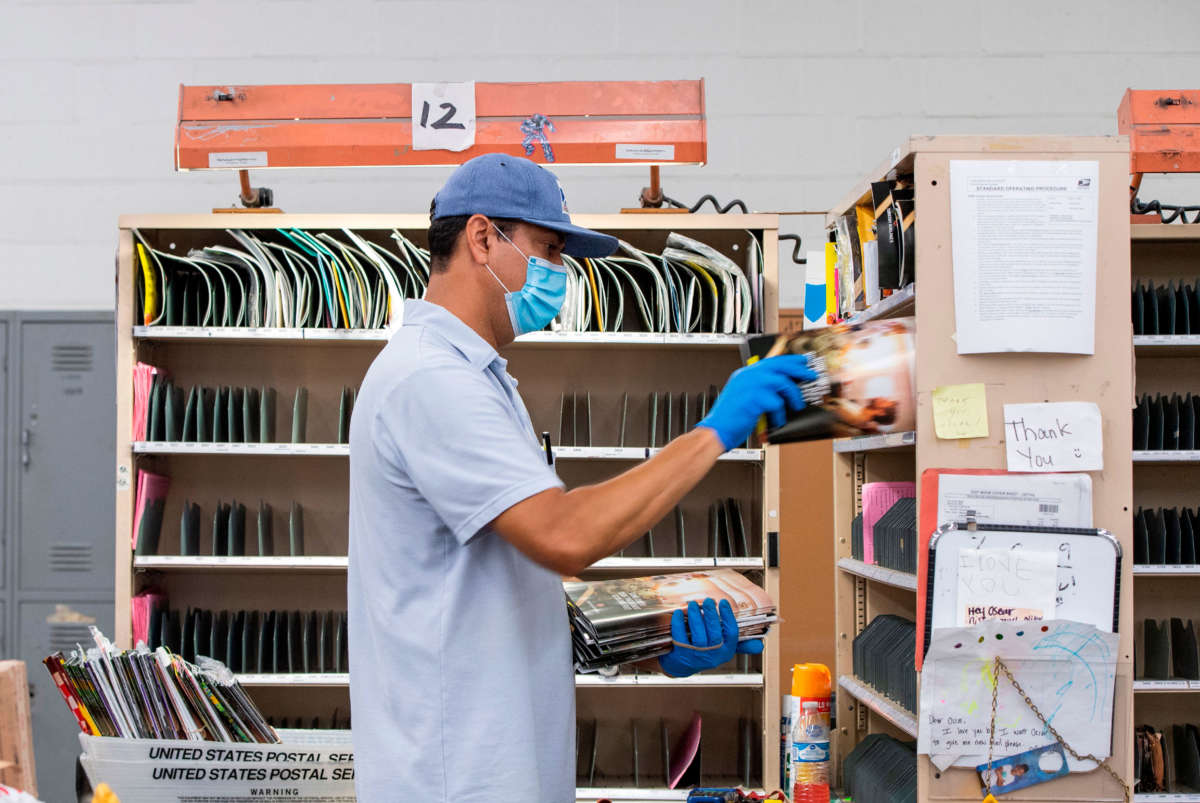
x,y
549,449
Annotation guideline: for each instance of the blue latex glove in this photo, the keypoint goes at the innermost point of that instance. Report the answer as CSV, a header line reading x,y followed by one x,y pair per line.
x,y
767,387
713,639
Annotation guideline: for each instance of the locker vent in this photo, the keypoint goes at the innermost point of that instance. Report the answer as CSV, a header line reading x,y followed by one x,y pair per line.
x,y
70,557
64,637
71,359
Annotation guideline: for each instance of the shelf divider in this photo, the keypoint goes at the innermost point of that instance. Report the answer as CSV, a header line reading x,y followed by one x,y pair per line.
x,y
338,563
378,337
880,574
892,712
749,680
869,443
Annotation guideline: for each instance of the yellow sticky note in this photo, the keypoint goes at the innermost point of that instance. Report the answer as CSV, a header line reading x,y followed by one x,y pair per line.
x,y
960,411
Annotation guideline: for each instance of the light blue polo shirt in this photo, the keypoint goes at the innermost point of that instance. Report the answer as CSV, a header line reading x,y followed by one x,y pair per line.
x,y
461,682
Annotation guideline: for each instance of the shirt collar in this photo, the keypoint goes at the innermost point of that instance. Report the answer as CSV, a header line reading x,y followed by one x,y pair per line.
x,y
479,352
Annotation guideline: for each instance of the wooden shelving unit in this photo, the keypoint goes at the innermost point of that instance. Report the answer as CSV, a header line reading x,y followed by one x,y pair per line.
x,y
316,474
864,592
1165,364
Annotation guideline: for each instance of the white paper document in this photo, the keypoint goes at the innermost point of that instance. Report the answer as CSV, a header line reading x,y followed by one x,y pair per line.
x,y
1011,585
1067,668
1023,237
1054,436
1049,500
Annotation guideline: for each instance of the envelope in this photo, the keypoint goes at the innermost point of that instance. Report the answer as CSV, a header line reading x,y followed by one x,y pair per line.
x,y
266,542
300,415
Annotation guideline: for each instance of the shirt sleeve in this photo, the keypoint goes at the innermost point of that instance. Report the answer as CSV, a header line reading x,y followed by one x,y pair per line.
x,y
455,435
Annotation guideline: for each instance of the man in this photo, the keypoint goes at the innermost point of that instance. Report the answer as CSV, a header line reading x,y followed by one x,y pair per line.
x,y
460,654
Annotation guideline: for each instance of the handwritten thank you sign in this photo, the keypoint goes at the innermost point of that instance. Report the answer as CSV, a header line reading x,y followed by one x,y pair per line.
x,y
1055,436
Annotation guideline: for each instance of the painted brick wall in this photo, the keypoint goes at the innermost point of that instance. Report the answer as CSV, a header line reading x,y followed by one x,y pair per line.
x,y
803,97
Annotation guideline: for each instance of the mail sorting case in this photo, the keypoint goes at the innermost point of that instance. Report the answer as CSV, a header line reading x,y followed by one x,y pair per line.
x,y
222,543
867,592
1166,595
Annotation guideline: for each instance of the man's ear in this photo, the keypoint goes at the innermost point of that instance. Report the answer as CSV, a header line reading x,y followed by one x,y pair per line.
x,y
477,238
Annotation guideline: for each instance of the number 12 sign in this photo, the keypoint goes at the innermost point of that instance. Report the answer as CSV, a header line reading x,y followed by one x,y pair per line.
x,y
443,116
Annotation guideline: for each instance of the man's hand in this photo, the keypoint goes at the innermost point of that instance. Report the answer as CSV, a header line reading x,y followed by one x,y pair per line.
x,y
713,639
767,387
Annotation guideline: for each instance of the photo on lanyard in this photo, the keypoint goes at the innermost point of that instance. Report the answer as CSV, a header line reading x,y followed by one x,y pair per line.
x,y
1032,767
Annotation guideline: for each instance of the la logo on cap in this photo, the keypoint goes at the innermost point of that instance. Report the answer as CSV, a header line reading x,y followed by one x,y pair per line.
x,y
562,194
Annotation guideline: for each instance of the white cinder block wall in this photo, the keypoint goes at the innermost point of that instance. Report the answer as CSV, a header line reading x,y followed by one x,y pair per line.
x,y
803,97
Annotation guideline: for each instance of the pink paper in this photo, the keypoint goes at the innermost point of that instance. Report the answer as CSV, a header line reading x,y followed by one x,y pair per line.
x,y
139,608
143,382
684,752
149,486
877,499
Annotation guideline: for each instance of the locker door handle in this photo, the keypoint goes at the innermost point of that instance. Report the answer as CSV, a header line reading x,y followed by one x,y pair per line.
x,y
26,437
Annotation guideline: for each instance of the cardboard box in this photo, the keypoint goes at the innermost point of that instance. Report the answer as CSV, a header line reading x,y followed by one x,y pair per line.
x,y
791,320
16,729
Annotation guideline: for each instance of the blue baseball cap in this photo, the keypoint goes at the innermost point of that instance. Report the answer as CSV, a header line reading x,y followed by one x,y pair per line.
x,y
503,186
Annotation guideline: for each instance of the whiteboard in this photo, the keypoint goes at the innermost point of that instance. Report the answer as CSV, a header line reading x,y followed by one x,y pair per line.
x,y
1089,570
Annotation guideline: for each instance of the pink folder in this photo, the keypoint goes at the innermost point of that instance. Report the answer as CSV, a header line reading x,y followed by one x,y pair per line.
x,y
143,382
877,499
149,486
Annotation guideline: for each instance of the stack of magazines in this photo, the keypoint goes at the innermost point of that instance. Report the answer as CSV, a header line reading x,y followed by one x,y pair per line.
x,y
614,622
144,694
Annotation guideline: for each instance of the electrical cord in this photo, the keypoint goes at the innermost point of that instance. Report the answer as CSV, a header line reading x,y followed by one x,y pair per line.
x,y
741,205
1168,213
795,248
721,210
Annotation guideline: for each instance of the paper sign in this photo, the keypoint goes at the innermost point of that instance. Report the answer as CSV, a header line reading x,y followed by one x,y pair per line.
x,y
1068,669
1056,436
1011,585
1024,238
443,116
1046,500
960,411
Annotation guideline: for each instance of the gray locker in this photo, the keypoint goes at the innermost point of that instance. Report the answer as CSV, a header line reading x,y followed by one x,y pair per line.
x,y
57,441
44,628
67,443
4,503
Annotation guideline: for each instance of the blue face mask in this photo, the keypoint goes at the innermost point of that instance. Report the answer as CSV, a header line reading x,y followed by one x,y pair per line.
x,y
540,298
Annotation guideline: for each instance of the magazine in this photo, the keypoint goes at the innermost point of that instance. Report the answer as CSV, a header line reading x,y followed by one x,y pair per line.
x,y
155,695
865,381
625,620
